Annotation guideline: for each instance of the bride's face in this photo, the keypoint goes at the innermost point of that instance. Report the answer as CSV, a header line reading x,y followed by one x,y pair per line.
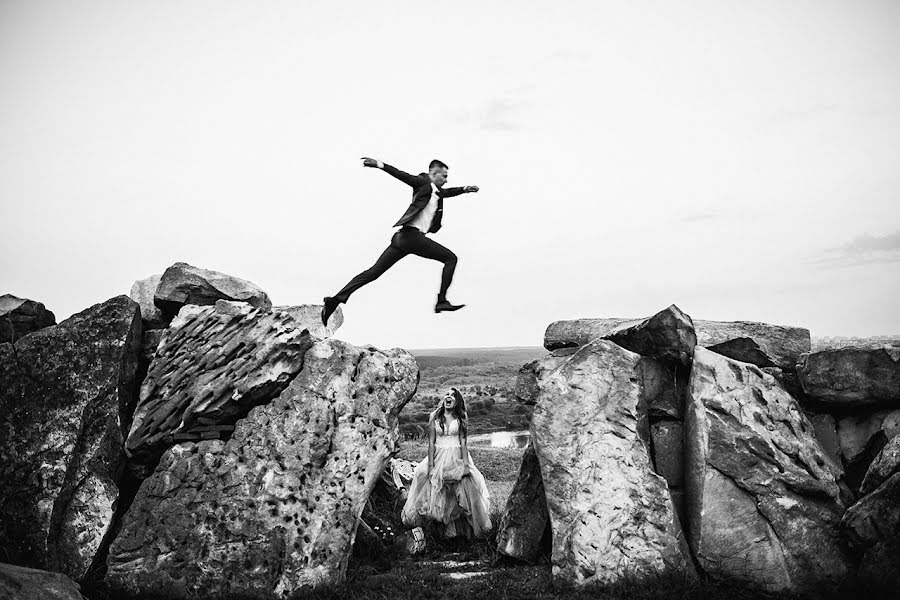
x,y
449,401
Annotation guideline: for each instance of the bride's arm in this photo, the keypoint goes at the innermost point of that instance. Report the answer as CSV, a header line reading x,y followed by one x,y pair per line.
x,y
464,450
431,436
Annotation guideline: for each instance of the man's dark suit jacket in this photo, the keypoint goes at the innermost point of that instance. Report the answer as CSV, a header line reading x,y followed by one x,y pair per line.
x,y
421,185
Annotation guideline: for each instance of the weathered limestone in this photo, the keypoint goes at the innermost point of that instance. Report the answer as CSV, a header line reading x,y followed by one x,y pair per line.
x,y
273,510
667,335
213,364
66,393
20,316
885,464
610,513
763,500
525,519
22,583
183,284
850,377
143,291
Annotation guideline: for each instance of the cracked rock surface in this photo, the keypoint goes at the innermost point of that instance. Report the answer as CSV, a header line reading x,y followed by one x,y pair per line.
x,y
273,510
611,515
66,393
212,365
763,500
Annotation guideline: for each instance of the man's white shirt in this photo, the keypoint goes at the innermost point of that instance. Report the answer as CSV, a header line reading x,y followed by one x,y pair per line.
x,y
422,222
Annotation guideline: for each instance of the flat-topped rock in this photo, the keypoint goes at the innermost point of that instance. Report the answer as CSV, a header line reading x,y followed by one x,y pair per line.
x,y
763,500
212,365
21,316
66,396
274,510
611,515
848,377
667,335
760,344
183,284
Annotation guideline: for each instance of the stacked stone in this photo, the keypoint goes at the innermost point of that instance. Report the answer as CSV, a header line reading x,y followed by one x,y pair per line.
x,y
303,428
754,479
856,393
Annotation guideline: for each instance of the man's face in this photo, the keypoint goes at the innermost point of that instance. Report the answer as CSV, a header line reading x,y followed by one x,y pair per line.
x,y
439,176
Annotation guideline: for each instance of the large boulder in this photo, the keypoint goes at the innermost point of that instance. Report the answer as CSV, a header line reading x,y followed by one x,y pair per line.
x,y
851,377
763,499
66,393
611,516
875,518
667,335
212,365
760,344
143,292
273,510
182,284
885,464
523,526
20,316
22,583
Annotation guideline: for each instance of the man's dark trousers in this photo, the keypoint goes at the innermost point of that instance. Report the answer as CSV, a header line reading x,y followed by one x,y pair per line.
x,y
407,240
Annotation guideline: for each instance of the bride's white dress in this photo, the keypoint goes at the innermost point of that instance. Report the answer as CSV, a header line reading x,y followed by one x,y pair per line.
x,y
460,502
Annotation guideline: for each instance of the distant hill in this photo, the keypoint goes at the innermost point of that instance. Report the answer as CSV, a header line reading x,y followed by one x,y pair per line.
x,y
485,376
448,357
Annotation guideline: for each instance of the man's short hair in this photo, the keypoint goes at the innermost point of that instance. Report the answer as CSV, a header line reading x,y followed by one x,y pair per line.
x,y
437,163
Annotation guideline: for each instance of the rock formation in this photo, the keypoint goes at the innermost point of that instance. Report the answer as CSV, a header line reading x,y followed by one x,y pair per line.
x,y
885,464
872,528
667,335
763,500
760,344
273,510
852,376
20,316
610,513
213,364
22,583
143,292
182,284
525,519
66,393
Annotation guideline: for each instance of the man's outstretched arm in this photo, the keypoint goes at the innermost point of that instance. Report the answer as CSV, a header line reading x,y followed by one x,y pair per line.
x,y
411,180
450,192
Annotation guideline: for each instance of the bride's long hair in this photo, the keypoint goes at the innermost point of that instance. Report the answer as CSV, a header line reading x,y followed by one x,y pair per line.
x,y
459,411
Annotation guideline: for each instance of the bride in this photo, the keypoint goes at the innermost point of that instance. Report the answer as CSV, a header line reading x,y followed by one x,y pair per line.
x,y
446,486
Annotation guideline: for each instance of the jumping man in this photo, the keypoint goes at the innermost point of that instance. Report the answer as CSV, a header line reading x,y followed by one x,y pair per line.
x,y
423,216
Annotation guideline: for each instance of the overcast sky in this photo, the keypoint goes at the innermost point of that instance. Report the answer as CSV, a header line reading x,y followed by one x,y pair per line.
x,y
738,159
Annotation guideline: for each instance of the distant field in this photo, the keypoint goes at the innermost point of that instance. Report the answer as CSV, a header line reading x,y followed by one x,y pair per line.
x,y
485,376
